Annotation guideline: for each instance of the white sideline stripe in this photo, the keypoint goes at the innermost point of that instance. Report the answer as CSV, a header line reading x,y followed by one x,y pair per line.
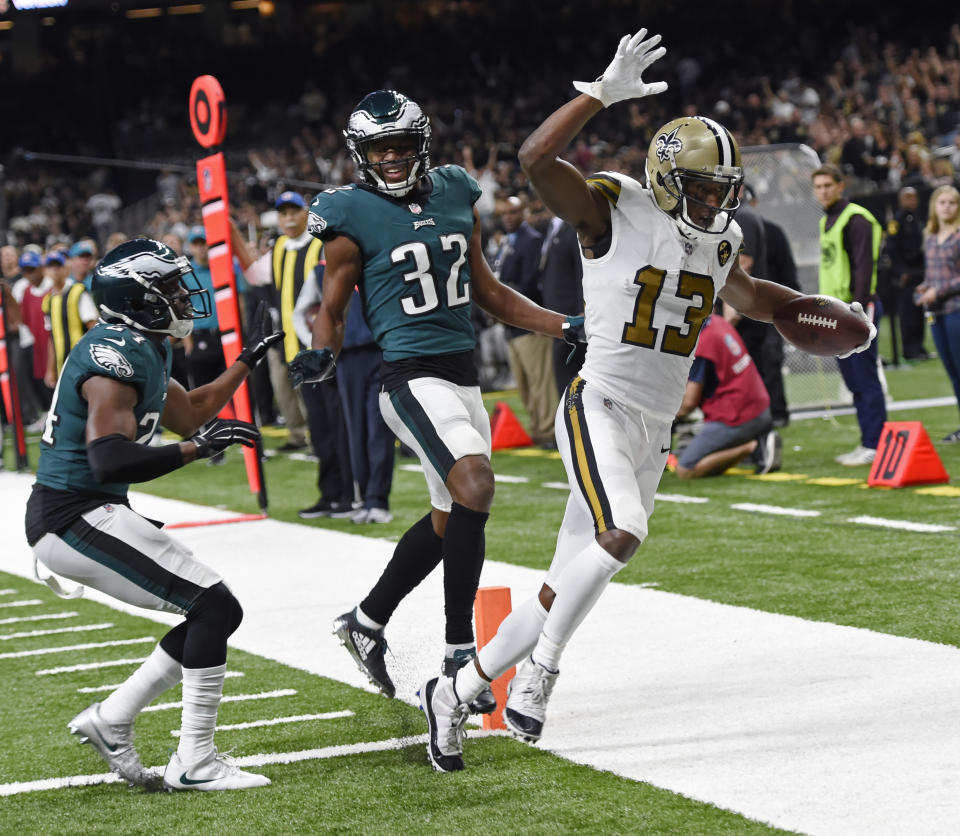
x,y
32,602
277,721
263,695
774,509
905,525
19,787
411,468
43,651
679,497
90,666
8,591
20,618
502,477
557,486
80,628
113,686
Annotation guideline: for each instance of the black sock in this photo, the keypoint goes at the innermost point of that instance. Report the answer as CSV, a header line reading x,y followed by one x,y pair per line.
x,y
416,556
463,550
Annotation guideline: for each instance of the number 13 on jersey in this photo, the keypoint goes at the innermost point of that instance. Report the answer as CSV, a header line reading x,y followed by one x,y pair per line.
x,y
677,339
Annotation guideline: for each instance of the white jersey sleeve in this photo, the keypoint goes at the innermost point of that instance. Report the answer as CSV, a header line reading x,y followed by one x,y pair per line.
x,y
646,298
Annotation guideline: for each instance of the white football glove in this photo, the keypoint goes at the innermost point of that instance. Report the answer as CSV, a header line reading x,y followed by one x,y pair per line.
x,y
621,80
857,308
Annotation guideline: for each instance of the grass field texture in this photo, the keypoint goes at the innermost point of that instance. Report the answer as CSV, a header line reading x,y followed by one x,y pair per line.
x,y
822,568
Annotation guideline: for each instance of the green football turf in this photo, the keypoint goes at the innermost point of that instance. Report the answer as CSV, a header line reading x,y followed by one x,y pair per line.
x,y
825,568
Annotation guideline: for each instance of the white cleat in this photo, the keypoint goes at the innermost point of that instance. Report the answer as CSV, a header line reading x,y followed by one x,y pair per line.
x,y
218,772
115,745
527,696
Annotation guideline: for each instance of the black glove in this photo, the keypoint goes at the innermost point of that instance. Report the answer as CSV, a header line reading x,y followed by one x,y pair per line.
x,y
312,366
220,434
574,333
261,337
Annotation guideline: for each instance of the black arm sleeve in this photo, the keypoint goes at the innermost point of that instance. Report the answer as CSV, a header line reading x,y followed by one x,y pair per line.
x,y
114,458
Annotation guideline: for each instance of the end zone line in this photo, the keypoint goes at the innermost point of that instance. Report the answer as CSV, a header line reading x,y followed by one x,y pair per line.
x,y
16,788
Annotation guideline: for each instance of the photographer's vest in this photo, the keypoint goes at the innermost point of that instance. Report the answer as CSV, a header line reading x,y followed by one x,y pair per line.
x,y
66,326
835,275
290,270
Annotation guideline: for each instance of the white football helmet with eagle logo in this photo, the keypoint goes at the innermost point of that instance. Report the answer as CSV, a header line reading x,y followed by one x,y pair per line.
x,y
693,150
146,285
386,113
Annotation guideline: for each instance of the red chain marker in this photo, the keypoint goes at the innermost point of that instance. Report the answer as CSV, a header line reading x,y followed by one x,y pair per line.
x,y
208,118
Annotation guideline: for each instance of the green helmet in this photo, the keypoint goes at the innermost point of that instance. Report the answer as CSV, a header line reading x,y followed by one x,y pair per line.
x,y
688,150
386,113
146,285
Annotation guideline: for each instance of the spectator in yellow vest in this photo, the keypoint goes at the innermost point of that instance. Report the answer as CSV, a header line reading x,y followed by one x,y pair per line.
x,y
849,247
70,313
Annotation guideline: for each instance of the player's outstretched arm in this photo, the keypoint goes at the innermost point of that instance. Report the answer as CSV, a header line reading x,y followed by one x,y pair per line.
x,y
559,184
503,302
755,298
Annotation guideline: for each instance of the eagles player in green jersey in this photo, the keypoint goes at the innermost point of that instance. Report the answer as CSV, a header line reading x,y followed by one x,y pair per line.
x,y
408,237
113,392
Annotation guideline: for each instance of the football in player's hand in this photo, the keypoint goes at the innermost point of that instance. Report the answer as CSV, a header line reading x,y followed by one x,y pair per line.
x,y
821,325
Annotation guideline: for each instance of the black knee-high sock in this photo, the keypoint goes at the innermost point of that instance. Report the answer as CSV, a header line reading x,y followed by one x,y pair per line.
x,y
463,550
416,556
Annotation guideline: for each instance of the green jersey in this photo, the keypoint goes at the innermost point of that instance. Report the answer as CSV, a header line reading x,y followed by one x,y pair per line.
x,y
415,286
113,351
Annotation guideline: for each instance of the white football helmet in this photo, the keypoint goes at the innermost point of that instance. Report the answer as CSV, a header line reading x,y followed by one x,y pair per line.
x,y
689,151
380,114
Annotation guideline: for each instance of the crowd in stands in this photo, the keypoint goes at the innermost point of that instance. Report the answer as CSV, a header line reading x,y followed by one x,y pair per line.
x,y
883,102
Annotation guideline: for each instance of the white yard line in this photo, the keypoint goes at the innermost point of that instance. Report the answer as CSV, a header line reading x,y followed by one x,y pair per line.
x,y
903,525
774,509
90,666
43,651
96,689
263,695
80,628
45,617
280,721
809,726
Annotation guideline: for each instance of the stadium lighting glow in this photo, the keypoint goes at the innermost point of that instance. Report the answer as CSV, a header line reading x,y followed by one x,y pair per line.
x,y
191,9
26,5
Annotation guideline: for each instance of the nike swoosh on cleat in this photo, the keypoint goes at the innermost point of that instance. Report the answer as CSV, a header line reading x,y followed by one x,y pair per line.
x,y
664,449
191,781
112,748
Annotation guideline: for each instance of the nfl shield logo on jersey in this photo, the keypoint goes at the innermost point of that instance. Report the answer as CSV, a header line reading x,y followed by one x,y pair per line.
x,y
416,208
723,252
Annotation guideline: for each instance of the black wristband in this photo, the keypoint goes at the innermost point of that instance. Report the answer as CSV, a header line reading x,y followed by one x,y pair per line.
x,y
114,458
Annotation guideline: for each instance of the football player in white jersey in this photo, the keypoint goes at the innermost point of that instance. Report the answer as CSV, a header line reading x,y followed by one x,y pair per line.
x,y
655,257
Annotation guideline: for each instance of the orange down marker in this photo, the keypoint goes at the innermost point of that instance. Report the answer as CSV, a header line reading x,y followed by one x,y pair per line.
x,y
492,606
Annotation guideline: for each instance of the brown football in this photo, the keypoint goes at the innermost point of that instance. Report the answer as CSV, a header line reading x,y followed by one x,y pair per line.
x,y
821,325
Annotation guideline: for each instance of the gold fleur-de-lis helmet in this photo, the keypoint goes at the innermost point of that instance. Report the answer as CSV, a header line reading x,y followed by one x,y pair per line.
x,y
688,154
